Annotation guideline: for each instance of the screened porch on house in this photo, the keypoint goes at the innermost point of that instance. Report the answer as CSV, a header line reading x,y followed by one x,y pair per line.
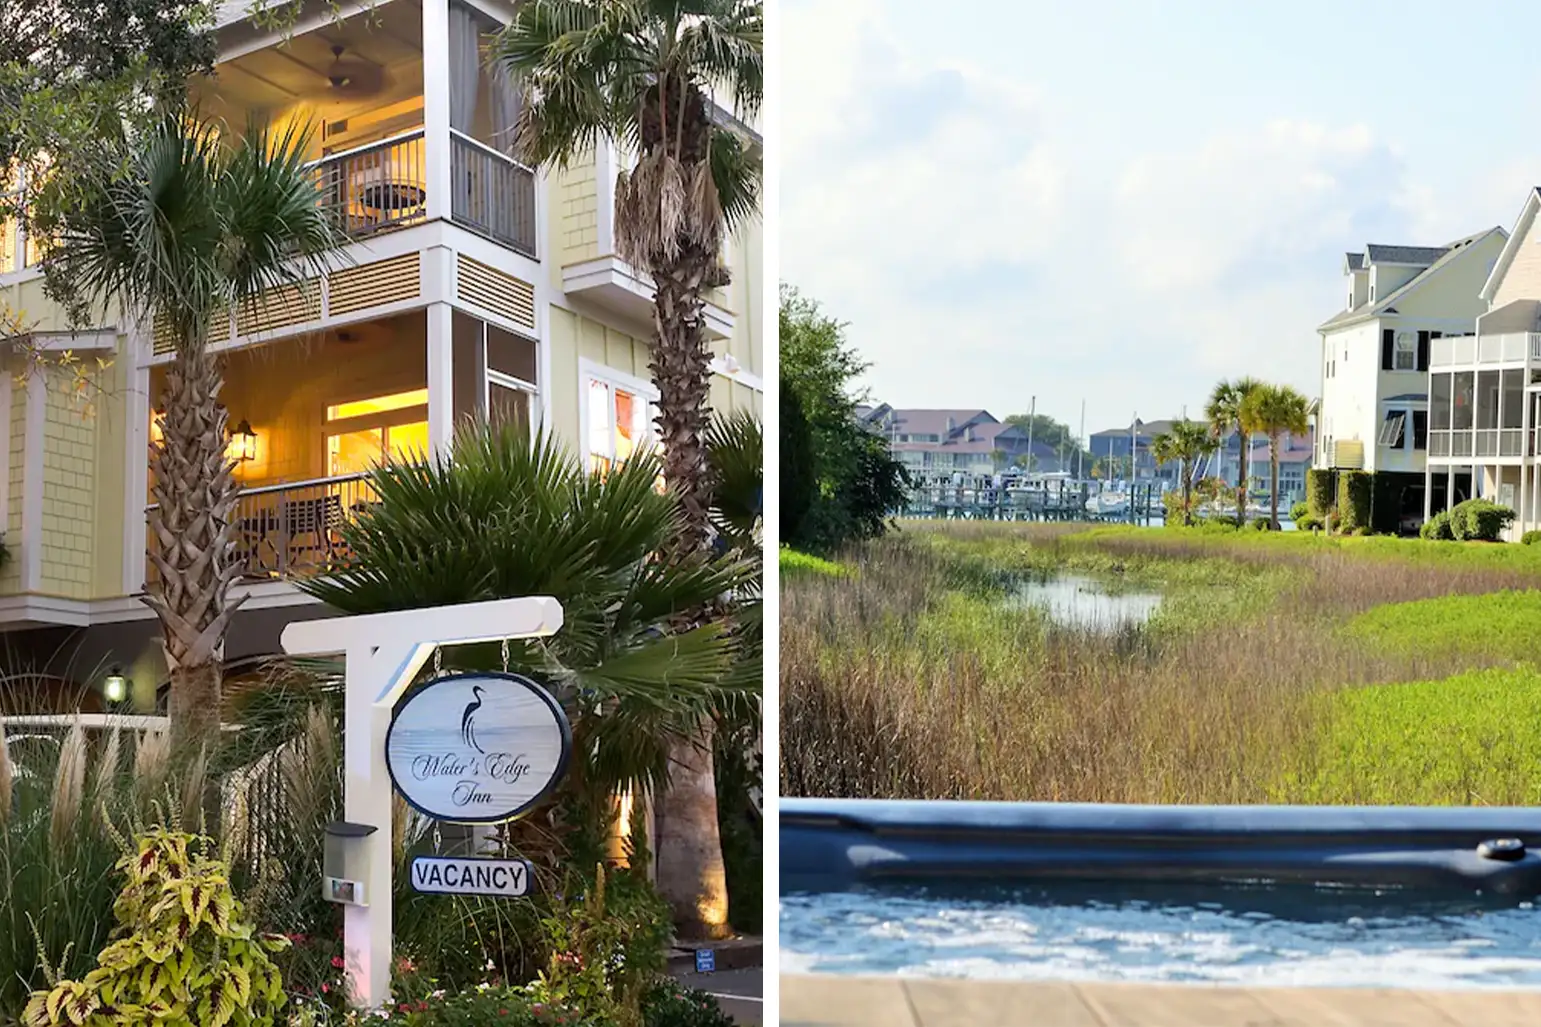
x,y
310,417
358,83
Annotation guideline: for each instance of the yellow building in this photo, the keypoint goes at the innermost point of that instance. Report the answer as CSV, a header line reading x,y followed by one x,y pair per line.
x,y
471,284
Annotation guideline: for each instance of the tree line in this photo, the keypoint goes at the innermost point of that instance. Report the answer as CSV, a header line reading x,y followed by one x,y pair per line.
x,y
1245,407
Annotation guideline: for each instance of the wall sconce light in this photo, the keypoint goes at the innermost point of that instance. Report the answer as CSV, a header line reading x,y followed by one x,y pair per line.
x,y
157,425
243,443
115,685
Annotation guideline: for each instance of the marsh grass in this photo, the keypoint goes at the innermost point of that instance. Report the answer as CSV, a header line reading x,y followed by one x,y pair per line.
x,y
909,677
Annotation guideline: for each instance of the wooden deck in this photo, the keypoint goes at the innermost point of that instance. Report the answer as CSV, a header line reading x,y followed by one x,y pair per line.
x,y
837,1001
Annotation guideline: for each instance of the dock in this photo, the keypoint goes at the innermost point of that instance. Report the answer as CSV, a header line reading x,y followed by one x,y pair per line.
x,y
979,497
826,1000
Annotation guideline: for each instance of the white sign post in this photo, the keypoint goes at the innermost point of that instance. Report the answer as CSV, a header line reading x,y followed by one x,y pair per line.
x,y
383,653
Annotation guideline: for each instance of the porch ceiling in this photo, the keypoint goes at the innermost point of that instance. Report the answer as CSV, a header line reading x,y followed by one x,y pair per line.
x,y
294,71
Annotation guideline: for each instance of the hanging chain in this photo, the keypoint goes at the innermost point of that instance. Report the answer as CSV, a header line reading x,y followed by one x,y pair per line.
x,y
438,838
505,656
438,660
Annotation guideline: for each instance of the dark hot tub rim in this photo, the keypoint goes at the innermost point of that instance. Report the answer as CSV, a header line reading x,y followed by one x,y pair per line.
x,y
835,844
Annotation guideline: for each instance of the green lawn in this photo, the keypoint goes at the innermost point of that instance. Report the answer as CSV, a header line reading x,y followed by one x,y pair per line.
x,y
794,563
1498,626
1470,739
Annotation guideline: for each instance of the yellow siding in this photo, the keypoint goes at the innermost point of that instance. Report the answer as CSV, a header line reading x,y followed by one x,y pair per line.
x,y
574,336
10,579
575,215
111,474
69,492
1522,280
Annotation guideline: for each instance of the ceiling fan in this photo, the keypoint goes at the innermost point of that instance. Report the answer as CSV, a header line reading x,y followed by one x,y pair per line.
x,y
353,76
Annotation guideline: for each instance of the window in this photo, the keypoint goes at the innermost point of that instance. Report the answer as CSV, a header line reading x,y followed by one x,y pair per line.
x,y
618,414
1420,429
365,432
1392,429
1406,352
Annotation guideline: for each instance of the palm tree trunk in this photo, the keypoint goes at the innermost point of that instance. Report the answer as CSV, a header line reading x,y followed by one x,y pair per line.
x,y
1273,480
691,874
689,850
1241,478
190,545
681,368
1188,493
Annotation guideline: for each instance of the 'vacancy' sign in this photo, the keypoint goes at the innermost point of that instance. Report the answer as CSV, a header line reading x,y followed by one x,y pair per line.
x,y
449,875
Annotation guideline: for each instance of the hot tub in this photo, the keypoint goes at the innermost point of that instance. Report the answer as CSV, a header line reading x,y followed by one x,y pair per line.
x,y
1374,896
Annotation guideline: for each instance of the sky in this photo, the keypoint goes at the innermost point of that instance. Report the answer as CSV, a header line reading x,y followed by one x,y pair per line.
x,y
1124,201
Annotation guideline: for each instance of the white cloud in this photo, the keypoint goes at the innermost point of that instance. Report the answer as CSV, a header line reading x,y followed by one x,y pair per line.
x,y
981,257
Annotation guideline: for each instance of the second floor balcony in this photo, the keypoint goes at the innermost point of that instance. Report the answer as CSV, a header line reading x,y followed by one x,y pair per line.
x,y
399,135
310,417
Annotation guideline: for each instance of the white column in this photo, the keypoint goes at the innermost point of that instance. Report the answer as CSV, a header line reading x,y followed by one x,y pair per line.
x,y
436,73
441,377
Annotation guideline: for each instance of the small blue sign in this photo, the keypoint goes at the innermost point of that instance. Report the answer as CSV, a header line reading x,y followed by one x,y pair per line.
x,y
706,961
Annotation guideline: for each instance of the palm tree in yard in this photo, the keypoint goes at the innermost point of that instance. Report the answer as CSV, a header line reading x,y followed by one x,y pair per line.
x,y
173,226
1224,414
1274,410
641,74
1187,443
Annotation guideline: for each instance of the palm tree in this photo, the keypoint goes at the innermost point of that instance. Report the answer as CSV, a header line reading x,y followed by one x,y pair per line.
x,y
642,74
507,515
1274,410
1223,412
175,226
1188,442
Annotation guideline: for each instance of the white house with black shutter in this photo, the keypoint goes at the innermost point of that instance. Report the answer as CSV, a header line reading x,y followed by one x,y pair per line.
x,y
1375,361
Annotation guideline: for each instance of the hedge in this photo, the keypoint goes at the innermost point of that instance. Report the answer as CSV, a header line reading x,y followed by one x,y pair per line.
x,y
1354,501
1319,486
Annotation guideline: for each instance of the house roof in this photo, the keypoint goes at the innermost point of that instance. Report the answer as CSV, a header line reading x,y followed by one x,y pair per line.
x,y
1446,255
1506,256
1353,261
934,421
1408,397
1421,256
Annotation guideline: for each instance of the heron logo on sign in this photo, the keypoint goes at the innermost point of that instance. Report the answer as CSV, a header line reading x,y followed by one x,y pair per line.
x,y
477,748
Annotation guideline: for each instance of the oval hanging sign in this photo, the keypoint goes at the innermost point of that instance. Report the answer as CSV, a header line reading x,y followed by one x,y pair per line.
x,y
477,748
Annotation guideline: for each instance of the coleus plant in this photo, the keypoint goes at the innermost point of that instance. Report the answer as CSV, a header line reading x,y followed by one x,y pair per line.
x,y
183,956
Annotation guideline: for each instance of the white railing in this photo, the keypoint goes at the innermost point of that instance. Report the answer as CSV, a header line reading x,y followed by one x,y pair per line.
x,y
292,529
376,187
492,193
1439,443
1442,352
1511,442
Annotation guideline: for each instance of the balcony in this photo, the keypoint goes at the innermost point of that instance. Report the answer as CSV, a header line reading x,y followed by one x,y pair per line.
x,y
323,410
1468,350
1478,444
292,530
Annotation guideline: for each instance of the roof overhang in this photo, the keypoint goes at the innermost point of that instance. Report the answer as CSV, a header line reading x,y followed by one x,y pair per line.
x,y
612,283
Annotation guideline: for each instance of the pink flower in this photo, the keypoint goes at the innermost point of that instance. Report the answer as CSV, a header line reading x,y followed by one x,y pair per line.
x,y
337,962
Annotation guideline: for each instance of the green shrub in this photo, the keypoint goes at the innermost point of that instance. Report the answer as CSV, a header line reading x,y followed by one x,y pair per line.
x,y
1300,511
183,955
1437,528
473,1007
670,1004
1319,492
1480,520
1354,488
605,951
1530,538
1309,522
1261,524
